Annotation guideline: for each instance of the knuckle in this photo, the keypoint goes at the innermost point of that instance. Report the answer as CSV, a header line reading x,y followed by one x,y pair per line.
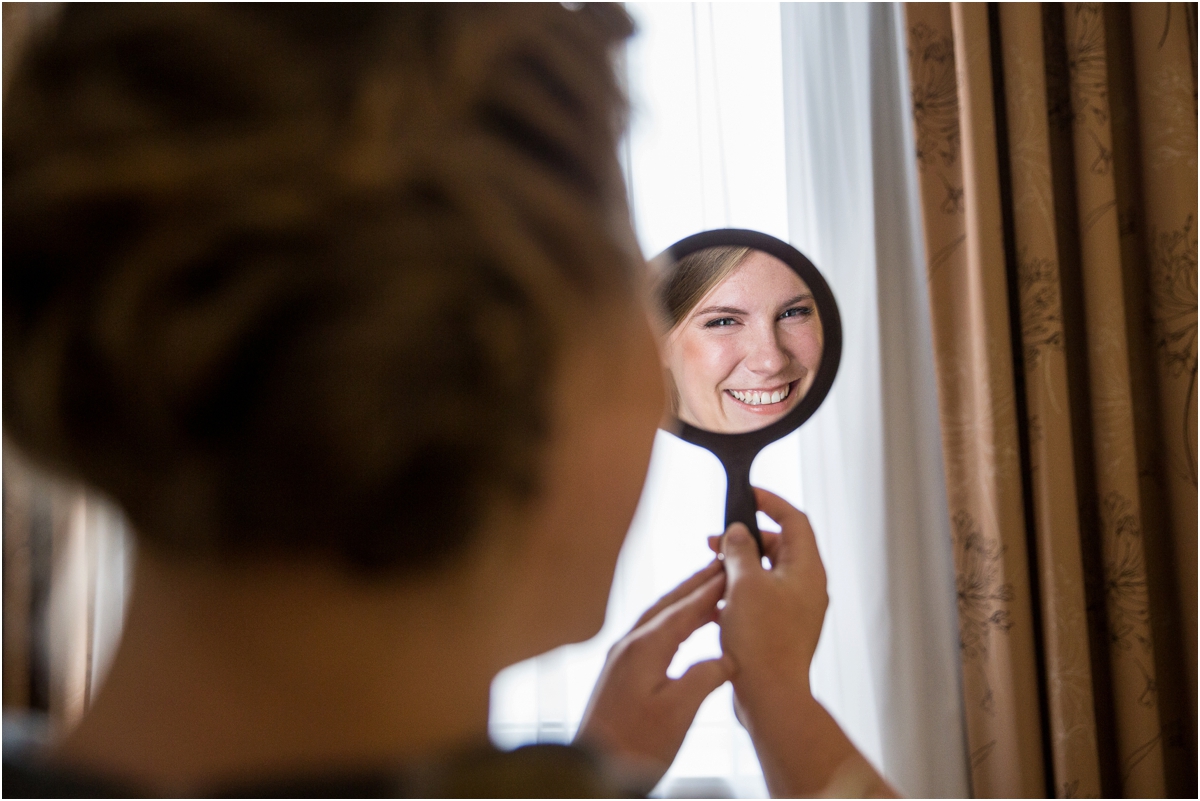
x,y
631,646
622,647
679,626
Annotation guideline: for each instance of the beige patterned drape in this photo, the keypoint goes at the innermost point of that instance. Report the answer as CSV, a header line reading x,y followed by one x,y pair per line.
x,y
1056,147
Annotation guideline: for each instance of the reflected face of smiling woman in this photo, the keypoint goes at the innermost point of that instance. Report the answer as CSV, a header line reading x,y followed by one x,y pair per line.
x,y
748,351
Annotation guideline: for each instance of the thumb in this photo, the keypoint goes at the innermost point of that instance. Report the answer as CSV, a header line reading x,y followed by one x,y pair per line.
x,y
741,552
698,682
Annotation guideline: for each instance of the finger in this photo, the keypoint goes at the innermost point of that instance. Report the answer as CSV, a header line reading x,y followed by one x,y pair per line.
x,y
770,543
676,623
688,586
796,540
741,552
699,681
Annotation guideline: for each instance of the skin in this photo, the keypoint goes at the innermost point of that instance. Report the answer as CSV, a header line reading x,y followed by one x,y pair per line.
x,y
637,714
757,330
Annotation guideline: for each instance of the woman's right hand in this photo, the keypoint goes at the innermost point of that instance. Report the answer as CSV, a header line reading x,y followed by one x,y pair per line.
x,y
770,625
772,617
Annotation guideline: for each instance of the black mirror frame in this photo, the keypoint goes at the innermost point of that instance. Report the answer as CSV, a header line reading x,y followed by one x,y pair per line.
x,y
737,451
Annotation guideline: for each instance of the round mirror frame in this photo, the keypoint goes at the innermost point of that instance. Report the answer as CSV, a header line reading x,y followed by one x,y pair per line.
x,y
751,442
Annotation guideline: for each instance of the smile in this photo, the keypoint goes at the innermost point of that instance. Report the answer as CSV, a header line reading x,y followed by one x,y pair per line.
x,y
757,397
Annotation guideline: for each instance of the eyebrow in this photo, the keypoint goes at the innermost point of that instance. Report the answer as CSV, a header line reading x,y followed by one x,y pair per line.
x,y
720,310
797,299
733,310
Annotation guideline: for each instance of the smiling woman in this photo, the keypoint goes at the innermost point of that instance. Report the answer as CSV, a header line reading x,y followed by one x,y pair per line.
x,y
745,338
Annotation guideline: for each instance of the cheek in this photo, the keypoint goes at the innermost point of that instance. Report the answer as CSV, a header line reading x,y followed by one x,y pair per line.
x,y
604,469
629,436
805,346
709,360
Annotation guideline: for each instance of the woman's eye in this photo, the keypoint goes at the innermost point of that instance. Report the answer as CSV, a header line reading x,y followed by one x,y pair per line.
x,y
720,322
798,311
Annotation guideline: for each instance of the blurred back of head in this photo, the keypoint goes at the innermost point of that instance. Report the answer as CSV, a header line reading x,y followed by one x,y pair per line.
x,y
294,279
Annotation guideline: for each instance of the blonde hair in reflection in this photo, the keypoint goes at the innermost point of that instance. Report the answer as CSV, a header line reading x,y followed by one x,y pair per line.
x,y
687,281
684,284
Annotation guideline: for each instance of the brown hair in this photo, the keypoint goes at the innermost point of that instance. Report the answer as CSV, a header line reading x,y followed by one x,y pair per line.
x,y
684,283
292,278
681,286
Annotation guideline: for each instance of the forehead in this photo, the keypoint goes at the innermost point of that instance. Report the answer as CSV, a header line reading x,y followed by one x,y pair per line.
x,y
760,280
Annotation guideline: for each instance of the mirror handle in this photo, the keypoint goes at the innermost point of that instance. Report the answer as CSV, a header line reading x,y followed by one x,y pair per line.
x,y
740,506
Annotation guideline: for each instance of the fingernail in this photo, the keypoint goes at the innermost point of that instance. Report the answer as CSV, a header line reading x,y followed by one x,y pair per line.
x,y
737,533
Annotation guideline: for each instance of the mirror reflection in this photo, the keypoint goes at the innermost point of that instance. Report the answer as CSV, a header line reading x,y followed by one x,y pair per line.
x,y
744,338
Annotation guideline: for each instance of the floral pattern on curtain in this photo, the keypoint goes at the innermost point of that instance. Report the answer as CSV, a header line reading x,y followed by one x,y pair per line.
x,y
1056,148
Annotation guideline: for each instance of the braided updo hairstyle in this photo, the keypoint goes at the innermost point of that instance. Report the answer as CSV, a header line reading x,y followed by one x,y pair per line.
x,y
292,279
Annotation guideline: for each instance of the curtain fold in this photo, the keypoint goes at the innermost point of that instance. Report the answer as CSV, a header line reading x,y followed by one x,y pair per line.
x,y
1164,60
1114,436
1048,400
956,152
1057,153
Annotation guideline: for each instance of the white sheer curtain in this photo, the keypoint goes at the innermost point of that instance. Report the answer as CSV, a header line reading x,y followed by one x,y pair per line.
x,y
791,119
871,456
67,568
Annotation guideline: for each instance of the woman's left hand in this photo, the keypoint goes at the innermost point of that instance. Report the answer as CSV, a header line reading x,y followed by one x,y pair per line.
x,y
637,714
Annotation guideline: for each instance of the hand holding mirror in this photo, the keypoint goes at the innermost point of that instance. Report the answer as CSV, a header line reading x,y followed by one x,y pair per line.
x,y
751,346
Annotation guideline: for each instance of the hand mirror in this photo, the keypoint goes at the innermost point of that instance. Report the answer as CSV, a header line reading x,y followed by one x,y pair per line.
x,y
751,343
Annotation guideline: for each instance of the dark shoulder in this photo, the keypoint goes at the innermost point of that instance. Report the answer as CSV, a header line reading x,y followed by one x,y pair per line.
x,y
536,771
28,776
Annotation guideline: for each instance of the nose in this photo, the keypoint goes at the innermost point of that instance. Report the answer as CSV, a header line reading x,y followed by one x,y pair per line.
x,y
765,356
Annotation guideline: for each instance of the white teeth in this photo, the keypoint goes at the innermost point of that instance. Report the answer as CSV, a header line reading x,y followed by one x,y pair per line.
x,y
754,397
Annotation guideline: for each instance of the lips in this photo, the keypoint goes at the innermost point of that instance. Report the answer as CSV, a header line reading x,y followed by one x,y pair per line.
x,y
761,397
